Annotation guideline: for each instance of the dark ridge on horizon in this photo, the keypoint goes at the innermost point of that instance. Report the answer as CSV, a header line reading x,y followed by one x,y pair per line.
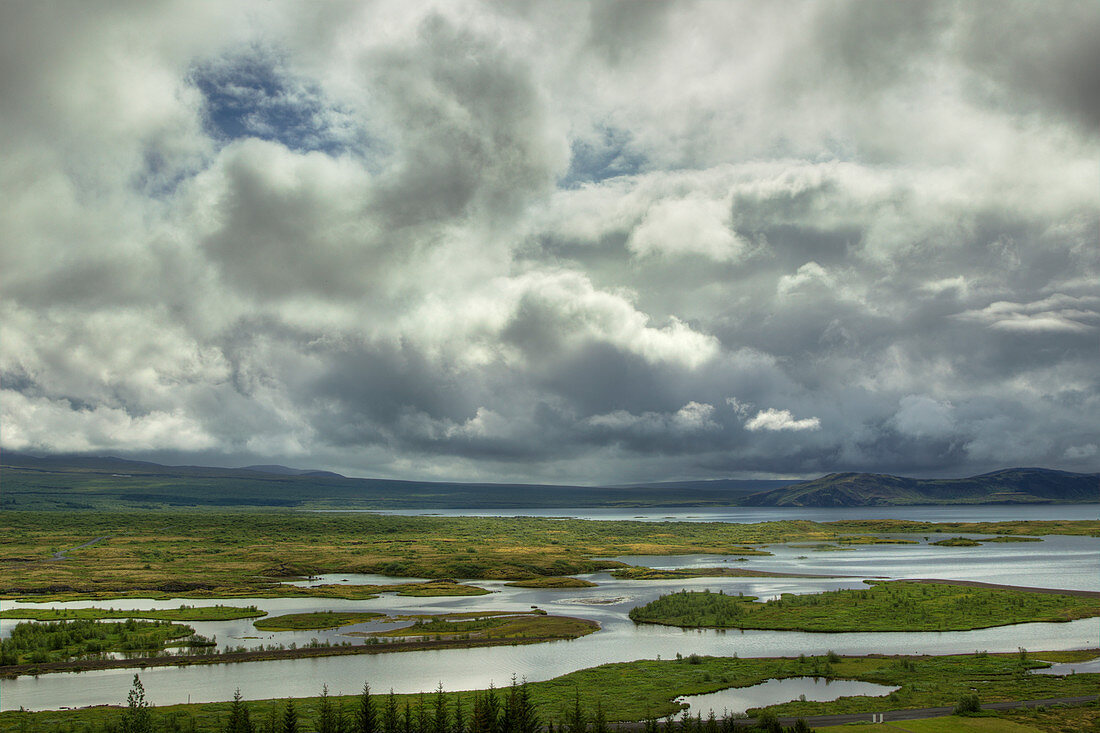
x,y
68,481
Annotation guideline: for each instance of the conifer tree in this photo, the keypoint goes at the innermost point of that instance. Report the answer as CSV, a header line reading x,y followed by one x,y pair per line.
x,y
477,714
599,719
458,722
366,719
290,718
327,719
273,722
486,715
521,715
391,722
574,718
439,705
423,718
239,721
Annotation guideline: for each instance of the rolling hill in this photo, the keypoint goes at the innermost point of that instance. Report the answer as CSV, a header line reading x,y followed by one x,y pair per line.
x,y
84,482
1009,486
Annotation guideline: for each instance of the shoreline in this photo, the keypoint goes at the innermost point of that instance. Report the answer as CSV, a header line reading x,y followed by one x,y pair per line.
x,y
91,665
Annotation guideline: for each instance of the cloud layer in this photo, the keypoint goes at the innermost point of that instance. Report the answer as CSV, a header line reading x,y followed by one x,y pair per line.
x,y
593,242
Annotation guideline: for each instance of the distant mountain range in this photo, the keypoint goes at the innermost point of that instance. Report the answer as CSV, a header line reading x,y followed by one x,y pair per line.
x,y
1010,486
83,482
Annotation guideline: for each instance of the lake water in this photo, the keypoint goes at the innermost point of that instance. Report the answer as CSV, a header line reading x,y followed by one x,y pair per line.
x,y
743,515
1062,562
736,700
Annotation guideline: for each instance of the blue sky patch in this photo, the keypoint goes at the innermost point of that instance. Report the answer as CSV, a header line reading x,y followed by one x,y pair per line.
x,y
252,95
607,155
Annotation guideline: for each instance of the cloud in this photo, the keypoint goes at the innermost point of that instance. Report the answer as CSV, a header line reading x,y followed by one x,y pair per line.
x,y
1057,314
686,226
772,419
921,416
534,241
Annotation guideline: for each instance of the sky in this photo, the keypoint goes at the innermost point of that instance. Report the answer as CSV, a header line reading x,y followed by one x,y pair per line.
x,y
574,242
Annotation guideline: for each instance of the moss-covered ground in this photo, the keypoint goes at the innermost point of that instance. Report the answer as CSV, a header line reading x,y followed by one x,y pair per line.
x,y
883,606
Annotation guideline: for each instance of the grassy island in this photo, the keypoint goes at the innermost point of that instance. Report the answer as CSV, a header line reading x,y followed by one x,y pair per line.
x,y
884,606
496,626
957,542
58,641
643,573
318,620
553,582
183,613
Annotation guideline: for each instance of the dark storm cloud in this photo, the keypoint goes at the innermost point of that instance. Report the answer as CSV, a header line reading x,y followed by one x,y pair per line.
x,y
597,242
1055,64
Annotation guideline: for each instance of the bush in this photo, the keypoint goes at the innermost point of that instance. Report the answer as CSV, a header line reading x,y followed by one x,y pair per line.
x,y
968,705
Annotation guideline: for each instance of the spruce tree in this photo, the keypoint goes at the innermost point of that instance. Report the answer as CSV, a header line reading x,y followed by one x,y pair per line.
x,y
390,718
574,718
239,722
458,724
477,714
366,719
423,718
599,719
272,718
327,719
439,705
486,714
290,718
522,716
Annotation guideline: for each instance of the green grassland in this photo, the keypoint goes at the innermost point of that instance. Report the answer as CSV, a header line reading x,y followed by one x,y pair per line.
x,y
183,613
957,542
1058,718
948,724
884,606
518,626
634,690
317,620
247,554
553,582
644,573
441,625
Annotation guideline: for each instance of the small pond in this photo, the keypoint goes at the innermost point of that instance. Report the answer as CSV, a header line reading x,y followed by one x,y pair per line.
x,y
736,700
1090,666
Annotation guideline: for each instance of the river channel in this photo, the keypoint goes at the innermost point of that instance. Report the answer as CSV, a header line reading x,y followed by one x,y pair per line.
x,y
1060,562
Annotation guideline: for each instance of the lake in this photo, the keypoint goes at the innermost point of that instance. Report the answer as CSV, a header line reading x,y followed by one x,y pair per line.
x,y
1063,562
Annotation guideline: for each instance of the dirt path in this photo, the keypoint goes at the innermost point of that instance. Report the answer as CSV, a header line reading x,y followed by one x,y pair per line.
x,y
60,554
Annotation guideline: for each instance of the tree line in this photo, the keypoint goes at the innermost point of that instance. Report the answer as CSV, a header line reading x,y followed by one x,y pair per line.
x,y
508,710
